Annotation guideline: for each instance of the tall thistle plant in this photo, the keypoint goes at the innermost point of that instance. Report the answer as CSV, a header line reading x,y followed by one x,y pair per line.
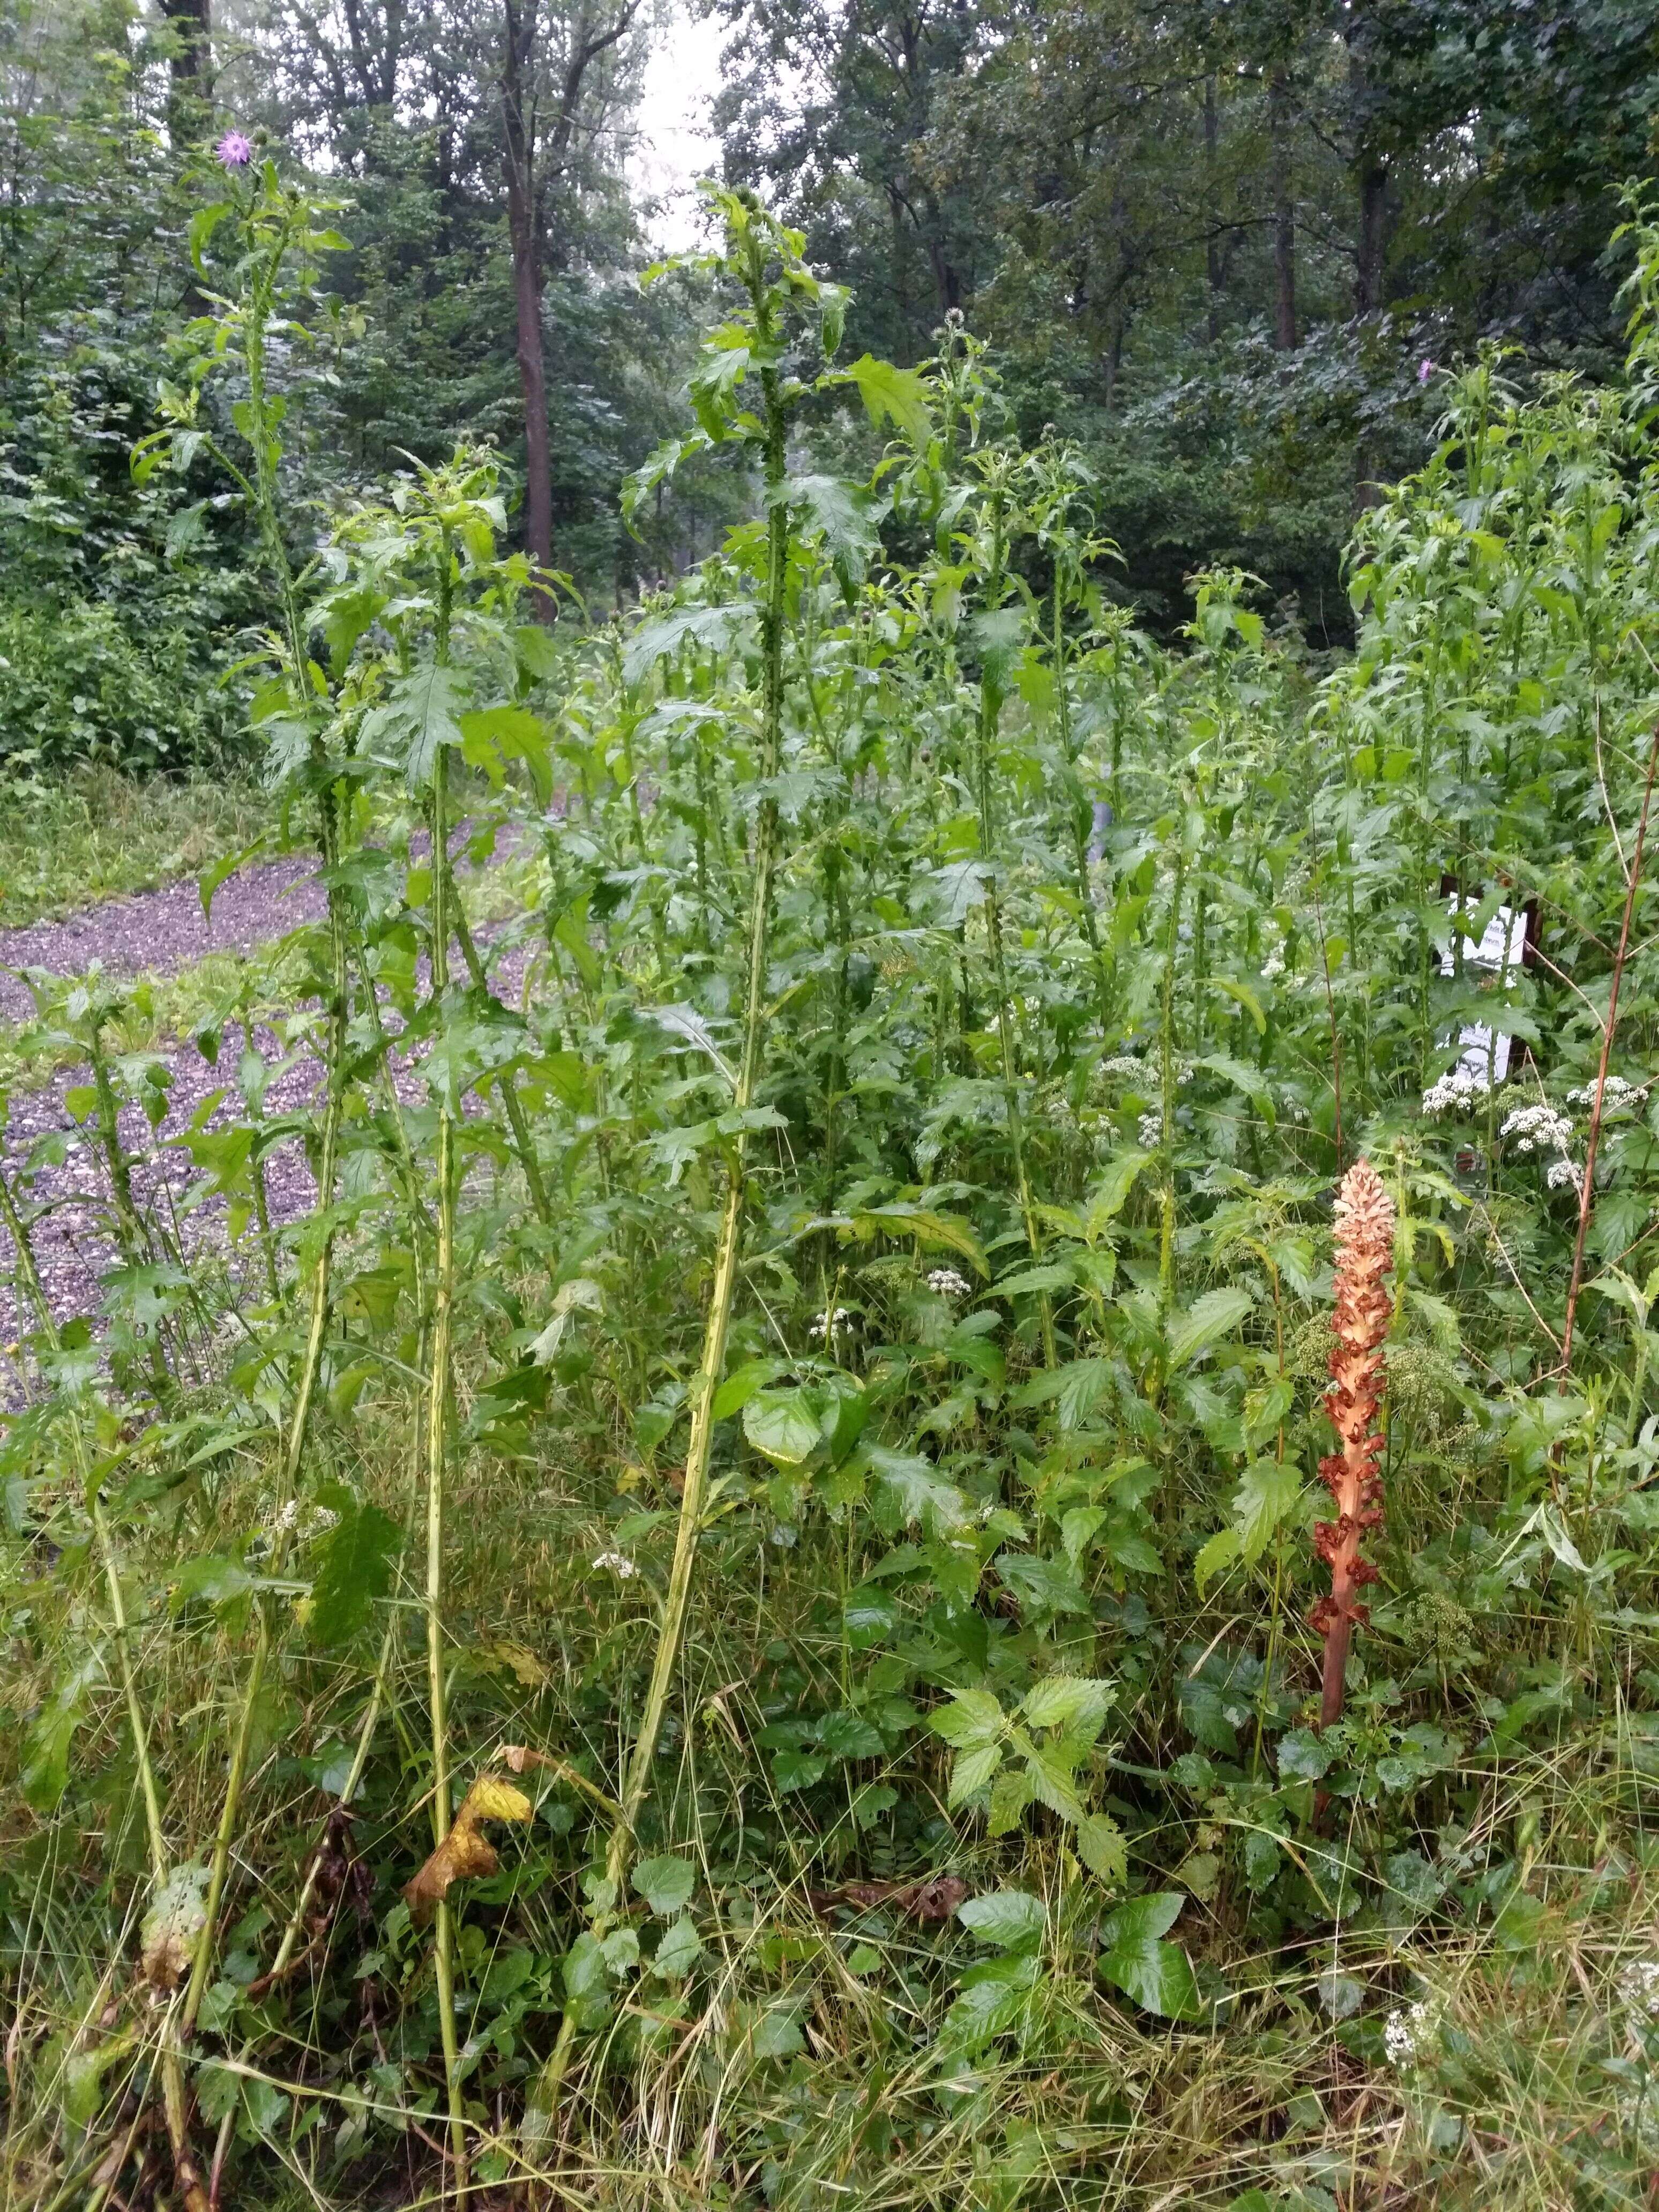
x,y
276,236
746,393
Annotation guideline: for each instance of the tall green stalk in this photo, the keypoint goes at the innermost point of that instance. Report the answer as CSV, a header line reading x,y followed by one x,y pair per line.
x,y
990,717
437,1411
766,312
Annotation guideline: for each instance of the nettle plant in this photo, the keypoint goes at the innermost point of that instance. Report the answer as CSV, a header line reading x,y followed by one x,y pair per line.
x,y
803,1388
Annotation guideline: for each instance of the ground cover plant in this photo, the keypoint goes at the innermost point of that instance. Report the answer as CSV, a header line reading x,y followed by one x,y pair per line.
x,y
938,1486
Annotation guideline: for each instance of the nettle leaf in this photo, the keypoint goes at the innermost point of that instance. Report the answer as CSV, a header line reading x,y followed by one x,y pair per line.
x,y
1136,1960
1103,1849
908,1489
1213,1317
1304,1757
1267,1490
1076,1703
679,1952
1215,1557
973,1718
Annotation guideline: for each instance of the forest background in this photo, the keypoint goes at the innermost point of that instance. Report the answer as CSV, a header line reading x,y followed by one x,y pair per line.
x,y
1213,245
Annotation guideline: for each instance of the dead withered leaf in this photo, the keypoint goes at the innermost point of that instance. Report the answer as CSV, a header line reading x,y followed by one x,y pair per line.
x,y
934,1899
465,1850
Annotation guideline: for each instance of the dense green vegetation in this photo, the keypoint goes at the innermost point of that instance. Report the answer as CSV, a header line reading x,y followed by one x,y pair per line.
x,y
735,1607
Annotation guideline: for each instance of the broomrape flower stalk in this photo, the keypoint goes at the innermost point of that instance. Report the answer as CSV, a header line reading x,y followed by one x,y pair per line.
x,y
1365,1249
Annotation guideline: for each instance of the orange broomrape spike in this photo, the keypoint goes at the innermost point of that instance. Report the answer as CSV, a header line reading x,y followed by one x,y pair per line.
x,y
1365,1253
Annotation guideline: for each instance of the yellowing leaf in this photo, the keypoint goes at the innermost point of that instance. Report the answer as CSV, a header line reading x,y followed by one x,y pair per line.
x,y
465,1851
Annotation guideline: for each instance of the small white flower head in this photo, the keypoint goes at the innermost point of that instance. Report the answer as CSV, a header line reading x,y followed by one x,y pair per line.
x,y
1616,1094
1151,1132
1566,1175
1273,965
1638,1988
946,1283
616,1563
1408,2036
1460,1092
1124,1064
826,1327
1537,1129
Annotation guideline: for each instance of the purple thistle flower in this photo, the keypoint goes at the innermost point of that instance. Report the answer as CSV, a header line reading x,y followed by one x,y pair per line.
x,y
234,150
1425,369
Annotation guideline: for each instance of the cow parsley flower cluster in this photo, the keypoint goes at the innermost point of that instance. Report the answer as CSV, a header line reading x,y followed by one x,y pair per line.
x,y
1409,2036
1616,1093
616,1563
1639,1987
1150,1132
828,1327
1124,1064
1460,1092
1538,1129
1566,1175
947,1283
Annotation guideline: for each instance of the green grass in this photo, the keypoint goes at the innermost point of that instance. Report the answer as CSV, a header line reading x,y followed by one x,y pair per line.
x,y
65,844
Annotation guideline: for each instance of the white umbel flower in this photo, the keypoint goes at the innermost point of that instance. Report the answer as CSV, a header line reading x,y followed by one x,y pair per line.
x,y
1460,1092
1538,1129
947,1283
1409,2035
1616,1094
616,1563
1639,1987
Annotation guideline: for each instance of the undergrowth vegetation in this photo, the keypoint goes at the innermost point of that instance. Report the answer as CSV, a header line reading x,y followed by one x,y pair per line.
x,y
726,1619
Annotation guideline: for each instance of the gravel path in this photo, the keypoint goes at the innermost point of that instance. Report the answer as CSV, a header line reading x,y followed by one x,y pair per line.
x,y
70,1201
162,931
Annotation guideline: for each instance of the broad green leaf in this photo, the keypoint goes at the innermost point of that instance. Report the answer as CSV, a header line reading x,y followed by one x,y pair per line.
x,y
1215,1557
741,1385
1101,1847
355,1572
1136,1960
1242,1076
716,628
1005,1918
893,395
1209,1318
1074,1703
678,1953
1266,1491
782,1425
972,1719
666,1883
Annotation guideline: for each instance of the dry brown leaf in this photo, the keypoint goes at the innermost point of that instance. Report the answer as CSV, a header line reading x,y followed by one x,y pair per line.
x,y
465,1851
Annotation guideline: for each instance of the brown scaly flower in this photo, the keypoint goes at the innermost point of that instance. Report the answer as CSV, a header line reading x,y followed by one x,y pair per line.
x,y
1364,1252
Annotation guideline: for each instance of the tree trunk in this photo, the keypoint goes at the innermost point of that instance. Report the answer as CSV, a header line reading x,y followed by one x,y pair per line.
x,y
190,71
1370,174
1213,269
517,46
1284,216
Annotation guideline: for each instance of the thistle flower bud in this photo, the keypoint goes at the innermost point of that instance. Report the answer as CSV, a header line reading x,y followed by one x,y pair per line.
x,y
1365,1253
